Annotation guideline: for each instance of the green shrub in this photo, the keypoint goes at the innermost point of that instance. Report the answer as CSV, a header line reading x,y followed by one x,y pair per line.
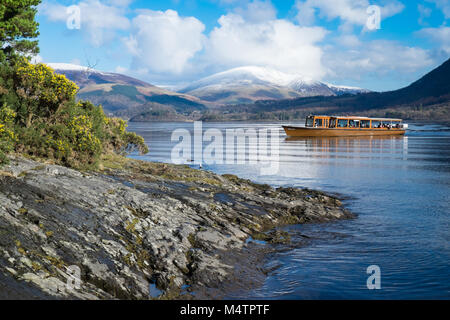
x,y
41,92
7,136
45,121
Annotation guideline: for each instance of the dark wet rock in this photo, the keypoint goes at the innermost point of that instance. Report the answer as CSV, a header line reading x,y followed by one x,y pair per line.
x,y
140,225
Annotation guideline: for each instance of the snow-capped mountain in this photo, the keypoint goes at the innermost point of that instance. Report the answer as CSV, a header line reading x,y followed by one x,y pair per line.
x,y
248,84
68,67
340,90
117,92
243,76
85,76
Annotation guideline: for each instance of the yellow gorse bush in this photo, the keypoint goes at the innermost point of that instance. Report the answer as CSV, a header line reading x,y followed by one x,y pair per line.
x,y
46,121
85,139
6,123
41,91
117,125
7,136
41,82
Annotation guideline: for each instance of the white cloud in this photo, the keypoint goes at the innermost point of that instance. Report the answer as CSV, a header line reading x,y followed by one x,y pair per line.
x,y
391,9
278,44
120,3
164,41
257,11
348,40
99,21
444,5
165,46
350,12
76,62
424,13
440,36
120,69
358,59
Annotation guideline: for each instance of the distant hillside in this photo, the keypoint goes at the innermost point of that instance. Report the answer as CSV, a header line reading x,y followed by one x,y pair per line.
x,y
153,111
250,84
117,92
432,89
278,96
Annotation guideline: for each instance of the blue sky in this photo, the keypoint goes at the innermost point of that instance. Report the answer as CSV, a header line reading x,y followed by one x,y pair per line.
x,y
176,41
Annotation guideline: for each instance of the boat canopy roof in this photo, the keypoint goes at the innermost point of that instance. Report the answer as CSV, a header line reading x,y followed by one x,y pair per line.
x,y
357,118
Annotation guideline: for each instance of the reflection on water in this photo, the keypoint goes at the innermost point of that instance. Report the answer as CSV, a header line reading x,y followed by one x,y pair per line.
x,y
398,186
355,147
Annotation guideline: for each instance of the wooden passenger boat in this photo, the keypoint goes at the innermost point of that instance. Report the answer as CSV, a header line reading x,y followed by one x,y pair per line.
x,y
337,126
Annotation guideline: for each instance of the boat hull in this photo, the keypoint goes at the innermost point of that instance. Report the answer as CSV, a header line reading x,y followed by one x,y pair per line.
x,y
337,132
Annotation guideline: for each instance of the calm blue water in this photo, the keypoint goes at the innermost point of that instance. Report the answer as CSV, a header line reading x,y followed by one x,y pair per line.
x,y
398,186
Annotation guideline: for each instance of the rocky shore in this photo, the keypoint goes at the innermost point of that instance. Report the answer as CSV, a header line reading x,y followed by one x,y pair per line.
x,y
140,230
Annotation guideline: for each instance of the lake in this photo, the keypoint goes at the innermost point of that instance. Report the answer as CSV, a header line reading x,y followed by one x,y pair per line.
x,y
399,187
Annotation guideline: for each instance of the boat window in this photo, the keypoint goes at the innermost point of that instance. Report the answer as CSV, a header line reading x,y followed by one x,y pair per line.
x,y
309,121
318,123
333,123
342,123
365,123
353,123
376,124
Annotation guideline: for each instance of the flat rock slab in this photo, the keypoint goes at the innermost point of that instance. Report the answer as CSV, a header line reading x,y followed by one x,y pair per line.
x,y
118,233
